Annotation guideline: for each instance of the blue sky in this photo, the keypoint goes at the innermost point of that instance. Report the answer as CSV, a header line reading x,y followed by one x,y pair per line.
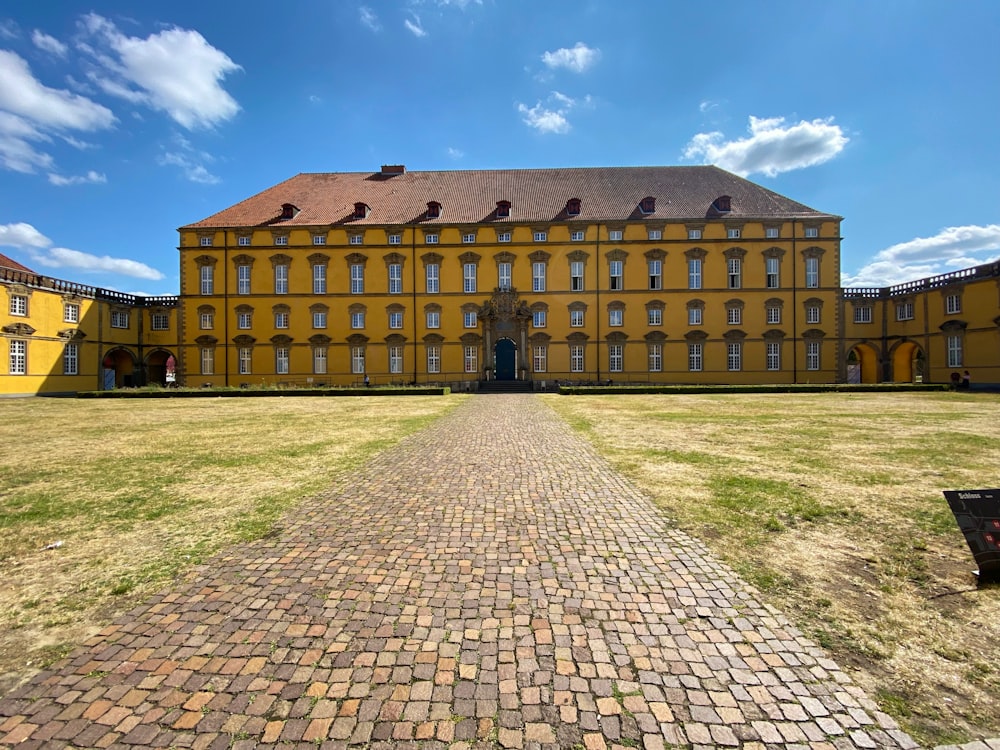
x,y
121,121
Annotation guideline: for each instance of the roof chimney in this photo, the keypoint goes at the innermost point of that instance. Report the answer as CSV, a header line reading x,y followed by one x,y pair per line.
x,y
391,169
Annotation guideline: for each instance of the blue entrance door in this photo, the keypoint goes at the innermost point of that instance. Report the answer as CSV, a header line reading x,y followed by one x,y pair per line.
x,y
505,360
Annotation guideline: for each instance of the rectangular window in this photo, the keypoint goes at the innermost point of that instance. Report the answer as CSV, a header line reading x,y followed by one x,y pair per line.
x,y
774,315
472,359
207,279
953,304
243,241
694,273
357,360
282,240
71,313
655,234
470,319
954,351
244,321
732,233
281,278
772,233
208,361
695,357
246,360
734,316
320,239
206,321
433,359
469,278
615,235
119,319
395,359
281,320
576,318
395,239
395,278
430,239
734,357
576,235
615,274
357,320
812,232
656,357
655,274
576,358
772,267
432,274
694,234
654,316
694,316
281,360
18,305
540,236
357,278
433,319
206,241
243,279
354,239
319,360
615,358
503,236
395,319
734,267
538,318
812,273
319,279
539,358
538,276
863,314
773,355
503,275
812,314
319,319
71,359
576,276
469,238
812,355
904,311
159,322
616,317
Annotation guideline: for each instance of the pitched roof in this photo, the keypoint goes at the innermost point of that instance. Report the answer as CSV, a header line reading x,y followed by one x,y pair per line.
x,y
12,264
536,195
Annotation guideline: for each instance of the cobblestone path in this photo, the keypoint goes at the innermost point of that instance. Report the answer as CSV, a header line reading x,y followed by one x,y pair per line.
x,y
489,583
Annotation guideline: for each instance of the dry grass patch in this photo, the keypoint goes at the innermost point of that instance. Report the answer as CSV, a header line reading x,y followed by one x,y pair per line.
x,y
831,505
138,491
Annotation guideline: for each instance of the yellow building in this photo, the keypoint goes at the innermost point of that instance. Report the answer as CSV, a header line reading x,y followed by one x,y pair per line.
x,y
644,275
62,337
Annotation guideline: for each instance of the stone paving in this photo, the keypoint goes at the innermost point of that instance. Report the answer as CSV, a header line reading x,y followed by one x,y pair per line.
x,y
489,583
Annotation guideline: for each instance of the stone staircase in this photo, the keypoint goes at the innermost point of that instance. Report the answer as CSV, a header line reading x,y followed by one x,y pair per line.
x,y
506,386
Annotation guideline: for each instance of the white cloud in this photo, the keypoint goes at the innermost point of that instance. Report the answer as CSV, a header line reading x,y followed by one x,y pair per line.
x,y
772,147
460,4
16,154
455,153
952,247
48,43
414,26
577,59
369,19
550,116
91,177
191,161
22,236
175,71
9,29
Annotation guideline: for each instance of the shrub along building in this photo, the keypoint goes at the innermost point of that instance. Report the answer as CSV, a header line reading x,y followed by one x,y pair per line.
x,y
644,275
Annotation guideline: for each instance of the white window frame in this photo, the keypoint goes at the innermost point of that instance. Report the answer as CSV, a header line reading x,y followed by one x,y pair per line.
x,y
281,360
654,235
539,319
773,314
432,319
694,234
432,278
863,314
320,361
773,355
471,359
243,241
954,347
576,358
159,322
243,279
353,239
904,311
734,316
813,315
540,236
396,319
654,316
616,275
431,238
694,273
281,278
615,235
504,274
19,305
433,359
395,278
812,355
812,273
71,313
734,356
282,320
772,269
320,239
207,360
319,278
470,319
732,233
395,359
119,319
540,358
245,357
206,321
281,240
469,238
205,242
469,277
357,320
207,277
734,273
616,357
576,271
357,278
577,235
655,359
772,233
538,271
244,321
812,232
319,319
953,304
357,360
395,239
503,236
71,359
696,357
655,268
616,317
694,316
576,319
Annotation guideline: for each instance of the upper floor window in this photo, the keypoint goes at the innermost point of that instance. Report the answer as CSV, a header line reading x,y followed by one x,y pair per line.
x,y
159,321
319,278
904,311
320,239
430,238
576,276
357,319
540,236
615,235
734,267
576,318
360,210
734,315
206,241
616,270
71,359
288,210
319,318
469,238
396,319
647,205
654,316
281,239
772,233
281,319
71,313
773,315
395,278
577,235
503,275
694,234
18,304
694,273
573,207
207,279
18,364
953,304
503,209
470,319
863,314
694,316
432,278
354,239
616,317
357,278
119,319
433,210
243,240
655,234
813,314
812,232
281,278
433,318
538,276
772,267
469,278
655,273
503,236
723,203
539,318
243,279
733,233
812,272
395,239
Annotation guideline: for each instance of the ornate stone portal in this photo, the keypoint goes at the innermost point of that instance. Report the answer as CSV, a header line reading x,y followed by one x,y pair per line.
x,y
505,317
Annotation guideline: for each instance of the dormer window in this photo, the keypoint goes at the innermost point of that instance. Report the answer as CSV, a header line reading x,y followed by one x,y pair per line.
x,y
361,210
433,210
503,209
573,207
648,205
288,211
723,203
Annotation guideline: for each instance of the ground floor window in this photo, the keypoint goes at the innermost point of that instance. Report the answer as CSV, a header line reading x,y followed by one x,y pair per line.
x,y
773,355
71,359
433,359
18,357
281,360
472,359
656,357
539,358
734,357
246,358
695,357
615,357
358,360
812,355
208,361
319,360
576,358
396,359
954,351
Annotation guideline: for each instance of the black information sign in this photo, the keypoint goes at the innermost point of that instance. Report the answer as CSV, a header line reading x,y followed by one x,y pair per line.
x,y
978,516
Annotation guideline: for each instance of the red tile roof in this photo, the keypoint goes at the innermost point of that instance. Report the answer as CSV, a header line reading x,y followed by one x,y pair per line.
x,y
6,262
536,195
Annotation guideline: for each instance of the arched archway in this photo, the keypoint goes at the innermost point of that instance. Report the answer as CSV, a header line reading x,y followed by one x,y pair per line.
x,y
907,362
156,366
862,364
505,356
119,369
